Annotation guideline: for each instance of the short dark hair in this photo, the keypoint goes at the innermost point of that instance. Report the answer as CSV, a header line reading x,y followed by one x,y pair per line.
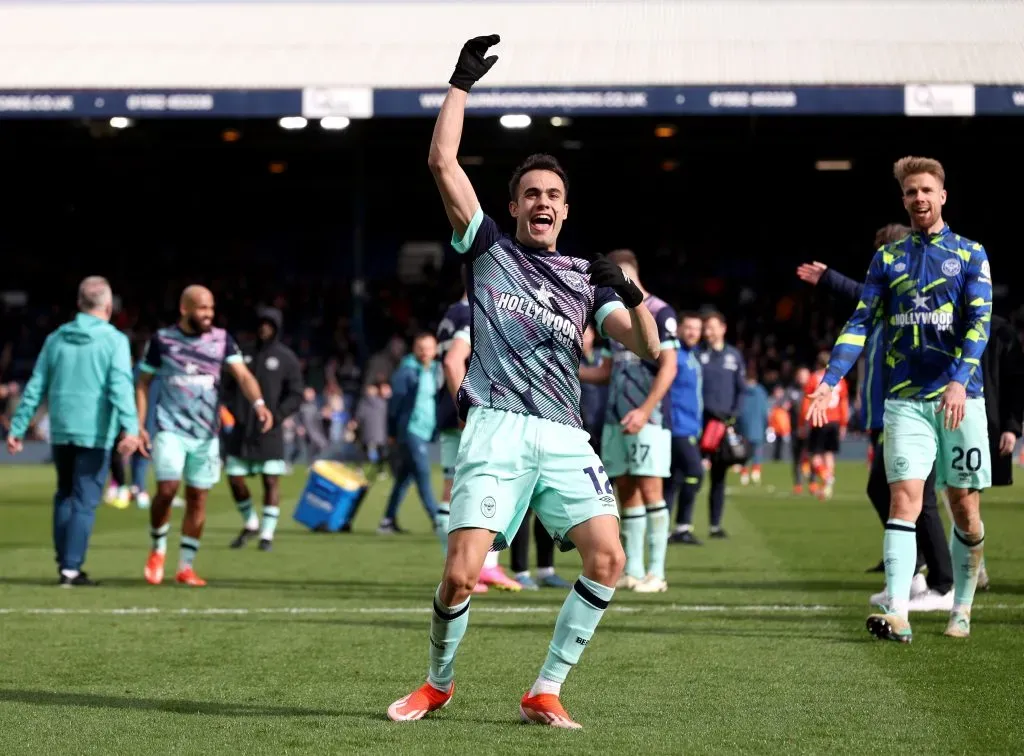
x,y
714,315
689,315
538,162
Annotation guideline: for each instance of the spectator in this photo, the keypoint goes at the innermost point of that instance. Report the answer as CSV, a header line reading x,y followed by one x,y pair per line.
x,y
84,373
753,425
371,420
412,423
310,426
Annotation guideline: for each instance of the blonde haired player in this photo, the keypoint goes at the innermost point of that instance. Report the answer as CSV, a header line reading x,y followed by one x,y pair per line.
x,y
934,288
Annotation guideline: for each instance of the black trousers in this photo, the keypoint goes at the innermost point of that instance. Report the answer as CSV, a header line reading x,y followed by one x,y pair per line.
x,y
520,547
932,545
797,446
687,471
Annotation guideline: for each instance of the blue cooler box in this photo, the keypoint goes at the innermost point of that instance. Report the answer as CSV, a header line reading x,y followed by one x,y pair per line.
x,y
332,493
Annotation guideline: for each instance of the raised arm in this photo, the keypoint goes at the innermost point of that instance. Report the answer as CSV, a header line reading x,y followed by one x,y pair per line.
x,y
460,202
852,338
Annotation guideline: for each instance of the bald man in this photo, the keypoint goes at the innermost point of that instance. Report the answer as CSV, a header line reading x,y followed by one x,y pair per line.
x,y
189,358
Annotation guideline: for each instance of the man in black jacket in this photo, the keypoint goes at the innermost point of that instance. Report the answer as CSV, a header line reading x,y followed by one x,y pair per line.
x,y
249,452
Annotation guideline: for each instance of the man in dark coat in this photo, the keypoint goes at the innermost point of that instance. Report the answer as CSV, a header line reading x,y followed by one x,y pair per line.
x,y
249,452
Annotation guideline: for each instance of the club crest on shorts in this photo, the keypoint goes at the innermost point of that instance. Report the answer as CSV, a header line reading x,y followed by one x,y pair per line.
x,y
487,507
951,267
901,464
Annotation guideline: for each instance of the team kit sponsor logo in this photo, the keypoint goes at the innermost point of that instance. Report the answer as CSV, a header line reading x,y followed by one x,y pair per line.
x,y
540,310
922,316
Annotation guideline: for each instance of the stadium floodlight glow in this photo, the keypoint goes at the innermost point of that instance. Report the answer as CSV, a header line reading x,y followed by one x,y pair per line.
x,y
515,121
561,121
120,122
292,123
334,123
833,165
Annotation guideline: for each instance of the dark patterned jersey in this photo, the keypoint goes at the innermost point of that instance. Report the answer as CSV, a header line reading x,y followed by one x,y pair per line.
x,y
529,309
189,368
934,294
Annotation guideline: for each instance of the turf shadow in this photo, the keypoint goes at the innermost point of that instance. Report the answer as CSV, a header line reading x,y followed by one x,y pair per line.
x,y
172,706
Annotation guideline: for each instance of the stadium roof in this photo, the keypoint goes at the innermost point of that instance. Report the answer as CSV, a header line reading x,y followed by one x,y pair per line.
x,y
564,43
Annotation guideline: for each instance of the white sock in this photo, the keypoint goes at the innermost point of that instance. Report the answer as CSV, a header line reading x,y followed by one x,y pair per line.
x,y
543,685
491,561
70,574
522,575
543,572
684,528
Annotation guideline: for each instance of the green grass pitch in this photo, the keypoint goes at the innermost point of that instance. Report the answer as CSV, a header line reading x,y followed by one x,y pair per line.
x,y
758,647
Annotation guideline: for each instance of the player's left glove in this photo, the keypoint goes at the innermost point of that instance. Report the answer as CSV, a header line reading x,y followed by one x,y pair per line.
x,y
603,272
472,64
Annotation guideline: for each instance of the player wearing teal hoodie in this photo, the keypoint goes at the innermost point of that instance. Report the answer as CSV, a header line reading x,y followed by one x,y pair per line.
x,y
84,374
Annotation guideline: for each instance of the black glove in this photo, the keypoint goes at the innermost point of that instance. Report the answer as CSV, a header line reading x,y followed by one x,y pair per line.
x,y
603,272
472,64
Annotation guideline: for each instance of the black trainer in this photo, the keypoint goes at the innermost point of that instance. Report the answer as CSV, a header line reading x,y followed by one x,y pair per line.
x,y
266,544
685,537
243,538
718,534
78,580
880,567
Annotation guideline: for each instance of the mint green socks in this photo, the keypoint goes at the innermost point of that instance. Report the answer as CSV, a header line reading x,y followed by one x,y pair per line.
x,y
245,509
966,553
270,517
447,626
634,521
899,549
581,611
159,537
657,538
187,554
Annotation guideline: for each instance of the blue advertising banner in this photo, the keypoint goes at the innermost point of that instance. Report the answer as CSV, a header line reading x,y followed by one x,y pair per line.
x,y
184,103
318,102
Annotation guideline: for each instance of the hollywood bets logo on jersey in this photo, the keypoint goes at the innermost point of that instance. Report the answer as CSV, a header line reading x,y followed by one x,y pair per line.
x,y
539,309
922,316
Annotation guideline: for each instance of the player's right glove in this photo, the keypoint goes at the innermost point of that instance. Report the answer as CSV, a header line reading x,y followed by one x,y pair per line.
x,y
603,272
472,64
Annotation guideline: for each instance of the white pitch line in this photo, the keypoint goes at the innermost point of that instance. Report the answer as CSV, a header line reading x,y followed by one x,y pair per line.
x,y
242,611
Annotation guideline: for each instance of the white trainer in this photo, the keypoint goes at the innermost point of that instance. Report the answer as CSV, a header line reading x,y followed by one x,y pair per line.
x,y
627,583
918,587
931,601
651,584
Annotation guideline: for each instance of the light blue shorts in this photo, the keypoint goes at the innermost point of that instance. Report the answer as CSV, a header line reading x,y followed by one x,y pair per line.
x,y
194,460
647,454
915,438
235,467
510,462
449,451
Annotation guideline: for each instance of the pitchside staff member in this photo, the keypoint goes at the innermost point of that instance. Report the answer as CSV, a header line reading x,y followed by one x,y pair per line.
x,y
724,379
